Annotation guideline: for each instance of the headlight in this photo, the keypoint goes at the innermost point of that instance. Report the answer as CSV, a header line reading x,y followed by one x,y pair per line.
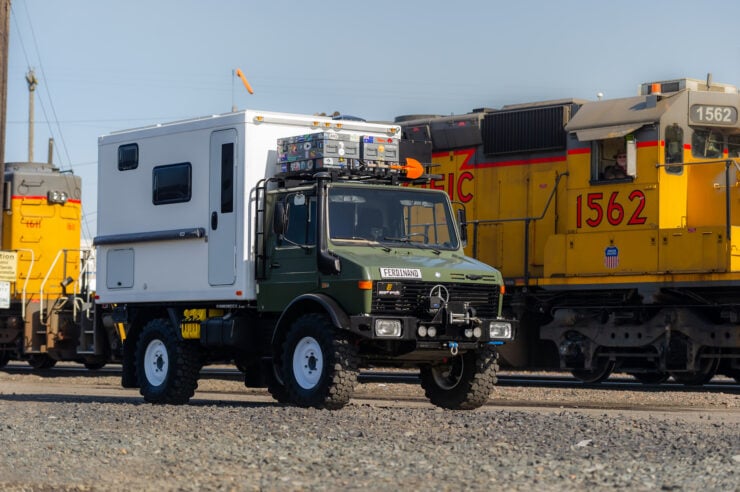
x,y
54,196
499,329
387,328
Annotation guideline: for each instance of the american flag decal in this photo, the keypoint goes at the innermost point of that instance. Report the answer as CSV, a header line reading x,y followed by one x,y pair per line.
x,y
611,257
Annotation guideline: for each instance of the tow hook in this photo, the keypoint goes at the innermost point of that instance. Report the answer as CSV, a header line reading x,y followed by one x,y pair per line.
x,y
453,348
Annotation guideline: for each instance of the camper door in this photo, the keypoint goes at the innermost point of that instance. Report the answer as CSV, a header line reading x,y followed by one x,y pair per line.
x,y
222,220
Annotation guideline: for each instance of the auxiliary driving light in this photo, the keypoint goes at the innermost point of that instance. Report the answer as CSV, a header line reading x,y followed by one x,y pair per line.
x,y
500,329
468,332
387,328
432,331
422,331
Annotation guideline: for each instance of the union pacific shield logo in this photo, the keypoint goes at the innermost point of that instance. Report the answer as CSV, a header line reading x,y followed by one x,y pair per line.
x,y
611,257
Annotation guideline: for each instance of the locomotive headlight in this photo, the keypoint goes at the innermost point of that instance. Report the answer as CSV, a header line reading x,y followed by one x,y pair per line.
x,y
54,196
499,330
387,328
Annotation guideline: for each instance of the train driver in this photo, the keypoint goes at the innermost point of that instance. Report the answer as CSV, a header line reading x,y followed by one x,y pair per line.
x,y
618,170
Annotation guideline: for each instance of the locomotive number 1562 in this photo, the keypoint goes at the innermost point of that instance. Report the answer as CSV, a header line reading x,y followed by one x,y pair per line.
x,y
599,208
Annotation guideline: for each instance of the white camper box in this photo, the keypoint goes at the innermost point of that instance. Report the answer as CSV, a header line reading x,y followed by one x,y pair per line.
x,y
167,227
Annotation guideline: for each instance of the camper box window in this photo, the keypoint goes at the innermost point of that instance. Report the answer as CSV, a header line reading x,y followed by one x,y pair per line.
x,y
171,183
128,157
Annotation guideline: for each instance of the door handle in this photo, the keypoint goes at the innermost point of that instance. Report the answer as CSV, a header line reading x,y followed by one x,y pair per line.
x,y
214,220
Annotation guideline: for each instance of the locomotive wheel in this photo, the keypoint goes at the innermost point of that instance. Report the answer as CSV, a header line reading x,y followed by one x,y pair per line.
x,y
167,368
319,365
465,382
4,358
41,361
656,377
707,370
596,375
730,373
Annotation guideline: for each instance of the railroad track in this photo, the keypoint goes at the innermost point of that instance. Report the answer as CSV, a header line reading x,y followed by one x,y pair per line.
x,y
616,382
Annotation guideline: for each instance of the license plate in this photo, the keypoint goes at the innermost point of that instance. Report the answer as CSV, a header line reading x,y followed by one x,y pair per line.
x,y
190,330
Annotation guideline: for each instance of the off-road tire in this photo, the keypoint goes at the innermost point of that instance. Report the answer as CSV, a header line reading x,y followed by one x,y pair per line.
x,y
174,364
4,358
465,383
272,373
312,338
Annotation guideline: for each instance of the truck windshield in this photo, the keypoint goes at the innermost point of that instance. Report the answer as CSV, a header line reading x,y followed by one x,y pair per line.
x,y
395,217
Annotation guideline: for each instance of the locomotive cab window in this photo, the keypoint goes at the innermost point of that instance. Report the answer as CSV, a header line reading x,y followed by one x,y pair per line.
x,y
733,146
674,148
707,143
612,160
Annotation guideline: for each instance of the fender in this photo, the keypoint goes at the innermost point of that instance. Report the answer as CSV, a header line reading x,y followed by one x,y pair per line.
x,y
309,303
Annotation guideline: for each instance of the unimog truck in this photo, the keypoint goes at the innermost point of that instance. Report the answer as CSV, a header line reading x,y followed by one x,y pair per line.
x,y
288,245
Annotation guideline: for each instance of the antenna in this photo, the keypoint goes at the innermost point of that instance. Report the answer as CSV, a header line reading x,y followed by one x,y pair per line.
x,y
32,83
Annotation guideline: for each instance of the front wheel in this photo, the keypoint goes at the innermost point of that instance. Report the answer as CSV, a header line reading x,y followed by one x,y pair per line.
x,y
463,382
319,364
167,368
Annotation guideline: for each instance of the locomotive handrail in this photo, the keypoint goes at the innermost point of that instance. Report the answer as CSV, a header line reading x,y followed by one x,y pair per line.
x,y
526,220
61,252
25,284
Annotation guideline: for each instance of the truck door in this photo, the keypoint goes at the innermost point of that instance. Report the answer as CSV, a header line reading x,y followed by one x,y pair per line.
x,y
222,220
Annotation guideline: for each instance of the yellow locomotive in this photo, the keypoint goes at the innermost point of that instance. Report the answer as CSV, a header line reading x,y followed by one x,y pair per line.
x,y
615,222
46,310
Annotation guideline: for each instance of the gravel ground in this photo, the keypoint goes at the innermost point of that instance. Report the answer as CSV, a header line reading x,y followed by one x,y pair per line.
x,y
72,438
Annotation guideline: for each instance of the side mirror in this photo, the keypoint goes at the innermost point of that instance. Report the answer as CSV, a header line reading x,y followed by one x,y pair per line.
x,y
462,223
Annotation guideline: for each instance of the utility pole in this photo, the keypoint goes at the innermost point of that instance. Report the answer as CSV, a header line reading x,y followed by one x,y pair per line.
x,y
32,83
4,36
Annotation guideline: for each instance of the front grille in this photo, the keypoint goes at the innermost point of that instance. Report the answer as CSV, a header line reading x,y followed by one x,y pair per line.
x,y
484,298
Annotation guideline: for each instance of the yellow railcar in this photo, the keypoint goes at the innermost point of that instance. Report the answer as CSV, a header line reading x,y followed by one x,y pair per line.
x,y
45,307
616,223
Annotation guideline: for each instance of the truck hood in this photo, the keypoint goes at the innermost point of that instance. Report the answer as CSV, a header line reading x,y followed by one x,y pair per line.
x,y
412,264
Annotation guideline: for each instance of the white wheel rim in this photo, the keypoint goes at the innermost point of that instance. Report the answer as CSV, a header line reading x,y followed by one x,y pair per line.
x,y
449,376
308,363
156,362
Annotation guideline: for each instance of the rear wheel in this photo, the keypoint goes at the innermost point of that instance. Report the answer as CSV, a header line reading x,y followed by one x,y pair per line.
x,y
319,365
41,361
655,377
463,382
167,368
707,370
599,373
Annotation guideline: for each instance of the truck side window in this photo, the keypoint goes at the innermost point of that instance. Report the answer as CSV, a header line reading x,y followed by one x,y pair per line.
x,y
301,227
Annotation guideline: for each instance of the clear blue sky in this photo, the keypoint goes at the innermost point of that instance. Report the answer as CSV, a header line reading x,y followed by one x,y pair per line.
x,y
106,65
